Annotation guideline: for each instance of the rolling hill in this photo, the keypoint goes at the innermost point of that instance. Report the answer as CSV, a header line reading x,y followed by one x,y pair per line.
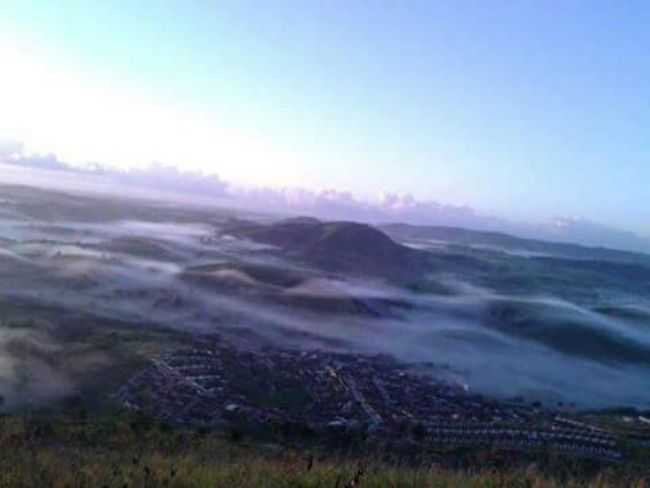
x,y
467,237
347,247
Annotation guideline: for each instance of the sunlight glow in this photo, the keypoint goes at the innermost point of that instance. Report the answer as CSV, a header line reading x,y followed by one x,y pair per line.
x,y
55,109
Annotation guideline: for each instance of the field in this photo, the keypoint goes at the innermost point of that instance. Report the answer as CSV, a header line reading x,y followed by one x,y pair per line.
x,y
123,450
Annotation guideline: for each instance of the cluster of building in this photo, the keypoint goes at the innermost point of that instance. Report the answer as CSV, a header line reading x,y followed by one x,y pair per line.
x,y
213,383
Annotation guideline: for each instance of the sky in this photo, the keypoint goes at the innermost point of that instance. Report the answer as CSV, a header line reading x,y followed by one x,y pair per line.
x,y
524,110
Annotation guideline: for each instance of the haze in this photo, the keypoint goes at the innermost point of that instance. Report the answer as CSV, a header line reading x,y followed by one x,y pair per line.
x,y
110,282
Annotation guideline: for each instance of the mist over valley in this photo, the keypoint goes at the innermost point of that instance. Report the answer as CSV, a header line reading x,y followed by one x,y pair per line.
x,y
93,286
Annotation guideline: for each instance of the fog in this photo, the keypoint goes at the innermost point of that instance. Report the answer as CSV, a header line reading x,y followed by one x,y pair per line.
x,y
157,272
164,181
26,375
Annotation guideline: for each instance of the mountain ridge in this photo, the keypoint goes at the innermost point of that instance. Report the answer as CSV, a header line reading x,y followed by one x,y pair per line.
x,y
471,237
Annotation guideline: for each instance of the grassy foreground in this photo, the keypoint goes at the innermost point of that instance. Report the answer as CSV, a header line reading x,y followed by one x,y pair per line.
x,y
123,451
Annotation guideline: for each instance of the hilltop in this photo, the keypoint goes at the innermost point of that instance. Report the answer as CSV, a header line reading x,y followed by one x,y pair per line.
x,y
348,247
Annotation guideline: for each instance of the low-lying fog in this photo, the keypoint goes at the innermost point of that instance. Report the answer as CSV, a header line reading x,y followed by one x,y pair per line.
x,y
548,345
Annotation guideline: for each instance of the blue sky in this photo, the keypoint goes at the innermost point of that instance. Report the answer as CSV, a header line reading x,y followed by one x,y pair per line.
x,y
526,110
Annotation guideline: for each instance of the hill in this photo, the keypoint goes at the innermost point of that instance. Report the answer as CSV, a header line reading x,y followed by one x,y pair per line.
x,y
467,237
348,247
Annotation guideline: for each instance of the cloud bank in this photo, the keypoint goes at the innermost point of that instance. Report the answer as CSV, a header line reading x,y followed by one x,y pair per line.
x,y
157,176
327,204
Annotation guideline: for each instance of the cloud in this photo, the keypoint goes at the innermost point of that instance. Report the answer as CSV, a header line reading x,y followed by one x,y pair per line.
x,y
330,204
12,152
157,176
405,208
161,176
342,205
10,149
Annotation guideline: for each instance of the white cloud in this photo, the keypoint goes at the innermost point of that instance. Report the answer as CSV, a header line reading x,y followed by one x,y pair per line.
x,y
156,176
10,150
168,177
327,204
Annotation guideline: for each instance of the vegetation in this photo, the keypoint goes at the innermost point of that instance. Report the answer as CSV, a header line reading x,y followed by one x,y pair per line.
x,y
125,450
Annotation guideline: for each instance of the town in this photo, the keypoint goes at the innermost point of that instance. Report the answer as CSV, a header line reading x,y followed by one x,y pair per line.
x,y
213,383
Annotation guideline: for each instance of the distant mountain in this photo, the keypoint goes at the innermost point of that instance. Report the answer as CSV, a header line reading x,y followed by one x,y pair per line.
x,y
466,237
337,246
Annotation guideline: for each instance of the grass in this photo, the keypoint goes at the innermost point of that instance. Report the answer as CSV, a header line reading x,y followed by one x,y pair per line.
x,y
127,451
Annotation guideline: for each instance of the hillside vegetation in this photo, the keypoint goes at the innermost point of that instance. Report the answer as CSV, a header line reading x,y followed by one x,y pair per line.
x,y
120,450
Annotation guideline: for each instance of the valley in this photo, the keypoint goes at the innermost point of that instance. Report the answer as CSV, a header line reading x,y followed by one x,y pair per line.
x,y
210,317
